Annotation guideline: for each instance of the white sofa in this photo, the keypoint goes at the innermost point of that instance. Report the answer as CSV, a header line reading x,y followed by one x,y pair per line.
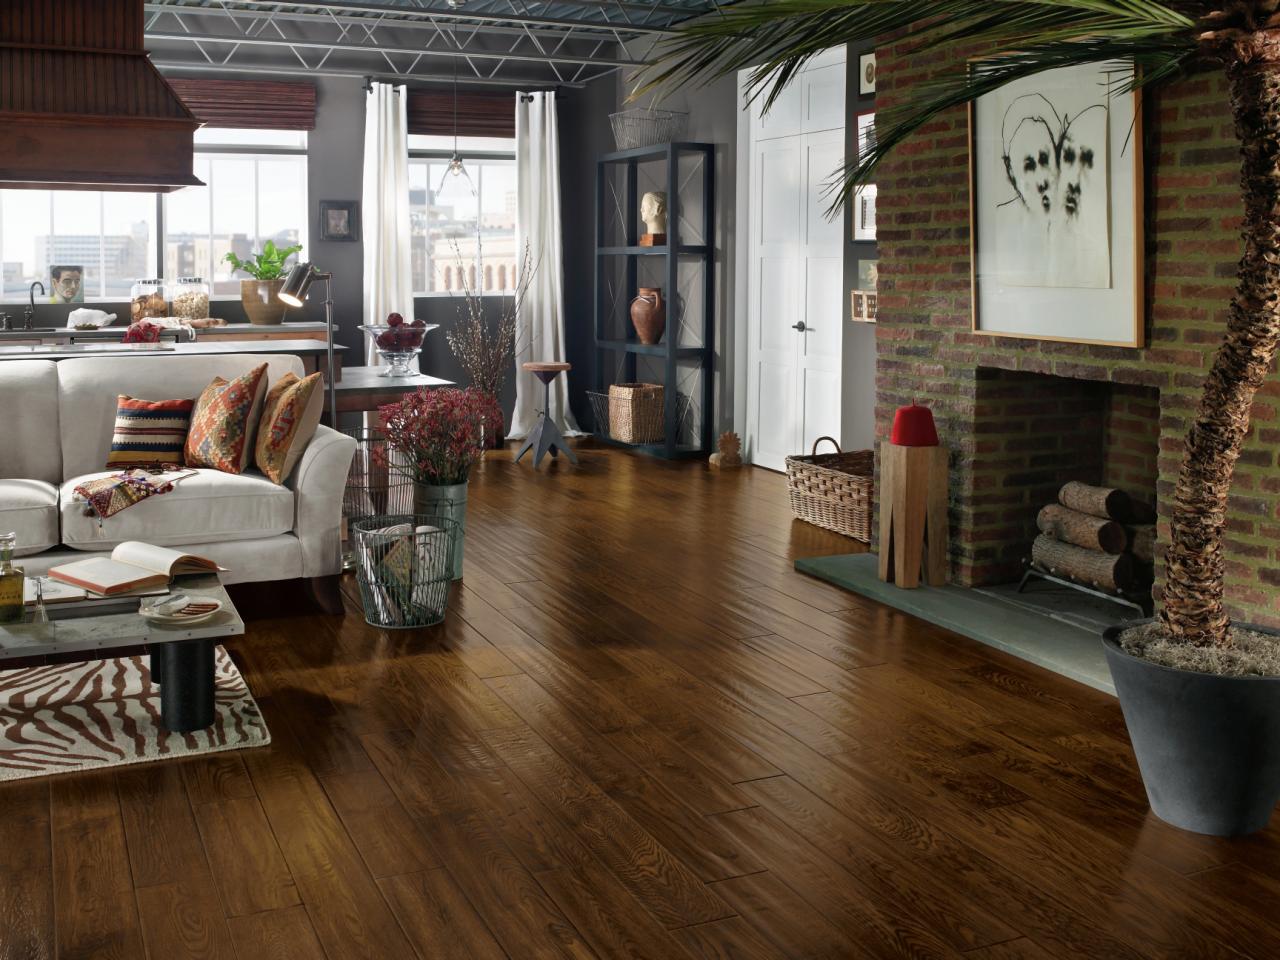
x,y
56,421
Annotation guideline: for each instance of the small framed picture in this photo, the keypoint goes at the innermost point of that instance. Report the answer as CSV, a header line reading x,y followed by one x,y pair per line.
x,y
867,74
862,306
864,213
340,220
866,126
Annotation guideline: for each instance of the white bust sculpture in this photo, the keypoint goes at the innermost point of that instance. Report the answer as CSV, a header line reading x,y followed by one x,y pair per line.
x,y
653,211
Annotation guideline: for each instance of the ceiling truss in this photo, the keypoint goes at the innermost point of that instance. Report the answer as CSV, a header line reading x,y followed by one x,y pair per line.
x,y
524,43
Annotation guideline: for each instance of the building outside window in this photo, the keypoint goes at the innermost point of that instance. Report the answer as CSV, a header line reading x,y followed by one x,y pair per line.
x,y
256,191
463,227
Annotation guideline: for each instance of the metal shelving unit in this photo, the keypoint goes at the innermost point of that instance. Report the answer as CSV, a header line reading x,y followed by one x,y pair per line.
x,y
607,343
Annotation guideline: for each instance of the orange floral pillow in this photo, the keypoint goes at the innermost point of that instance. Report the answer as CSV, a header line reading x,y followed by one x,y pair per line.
x,y
290,415
224,421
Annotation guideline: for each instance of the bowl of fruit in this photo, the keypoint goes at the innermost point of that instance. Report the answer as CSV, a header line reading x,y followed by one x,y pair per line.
x,y
398,343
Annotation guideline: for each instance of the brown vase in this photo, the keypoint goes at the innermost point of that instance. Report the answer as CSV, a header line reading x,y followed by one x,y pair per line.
x,y
261,303
649,314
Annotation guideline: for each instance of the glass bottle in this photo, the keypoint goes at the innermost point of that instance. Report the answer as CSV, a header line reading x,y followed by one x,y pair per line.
x,y
11,580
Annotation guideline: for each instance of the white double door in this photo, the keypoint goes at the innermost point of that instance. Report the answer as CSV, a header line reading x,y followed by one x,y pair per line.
x,y
795,267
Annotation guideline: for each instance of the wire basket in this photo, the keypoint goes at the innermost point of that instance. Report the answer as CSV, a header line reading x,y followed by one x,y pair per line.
x,y
635,413
647,128
375,487
404,568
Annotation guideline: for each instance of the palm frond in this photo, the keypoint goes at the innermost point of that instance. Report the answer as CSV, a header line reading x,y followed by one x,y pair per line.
x,y
1154,60
777,37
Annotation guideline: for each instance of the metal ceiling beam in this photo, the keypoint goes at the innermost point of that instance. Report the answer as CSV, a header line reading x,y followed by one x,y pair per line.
x,y
464,53
299,71
638,5
400,17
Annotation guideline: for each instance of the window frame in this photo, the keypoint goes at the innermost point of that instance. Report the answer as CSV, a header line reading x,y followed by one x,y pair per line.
x,y
249,151
442,154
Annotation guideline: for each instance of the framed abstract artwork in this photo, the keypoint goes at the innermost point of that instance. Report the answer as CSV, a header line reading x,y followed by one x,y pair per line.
x,y
1056,207
340,220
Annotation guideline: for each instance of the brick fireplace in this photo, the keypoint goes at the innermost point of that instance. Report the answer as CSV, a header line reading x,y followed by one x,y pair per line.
x,y
1033,433
1016,413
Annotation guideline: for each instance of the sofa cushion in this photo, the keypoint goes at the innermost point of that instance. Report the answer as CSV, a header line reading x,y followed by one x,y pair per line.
x,y
224,422
290,415
29,428
88,386
149,433
208,506
29,508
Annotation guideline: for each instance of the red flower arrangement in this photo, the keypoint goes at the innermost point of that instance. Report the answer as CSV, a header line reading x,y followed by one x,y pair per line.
x,y
438,434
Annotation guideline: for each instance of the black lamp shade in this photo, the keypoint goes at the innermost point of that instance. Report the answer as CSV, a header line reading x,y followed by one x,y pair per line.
x,y
296,284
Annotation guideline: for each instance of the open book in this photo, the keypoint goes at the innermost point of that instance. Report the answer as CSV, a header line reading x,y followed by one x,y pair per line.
x,y
132,565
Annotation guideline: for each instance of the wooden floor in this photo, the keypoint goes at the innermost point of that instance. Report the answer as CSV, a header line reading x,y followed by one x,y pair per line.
x,y
640,734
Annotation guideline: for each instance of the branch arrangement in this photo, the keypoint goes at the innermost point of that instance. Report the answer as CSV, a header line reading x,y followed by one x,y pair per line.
x,y
487,349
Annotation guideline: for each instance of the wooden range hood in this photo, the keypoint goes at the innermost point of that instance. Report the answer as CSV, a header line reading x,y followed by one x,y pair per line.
x,y
81,105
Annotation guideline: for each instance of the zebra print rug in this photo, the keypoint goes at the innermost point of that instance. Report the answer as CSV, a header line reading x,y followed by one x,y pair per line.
x,y
78,716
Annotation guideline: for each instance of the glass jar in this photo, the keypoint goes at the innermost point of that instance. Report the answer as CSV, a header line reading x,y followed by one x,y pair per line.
x,y
11,580
147,300
190,299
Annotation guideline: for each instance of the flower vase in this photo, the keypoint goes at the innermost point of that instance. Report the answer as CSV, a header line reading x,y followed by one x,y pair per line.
x,y
450,502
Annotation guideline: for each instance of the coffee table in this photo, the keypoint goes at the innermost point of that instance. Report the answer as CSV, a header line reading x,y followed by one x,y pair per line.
x,y
181,656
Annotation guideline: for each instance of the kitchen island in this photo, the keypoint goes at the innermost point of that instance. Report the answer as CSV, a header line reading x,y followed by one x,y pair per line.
x,y
312,352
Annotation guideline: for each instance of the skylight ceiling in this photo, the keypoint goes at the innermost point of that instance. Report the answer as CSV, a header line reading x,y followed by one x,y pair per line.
x,y
509,43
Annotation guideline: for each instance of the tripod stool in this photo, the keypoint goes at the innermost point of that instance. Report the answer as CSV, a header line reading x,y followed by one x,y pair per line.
x,y
545,436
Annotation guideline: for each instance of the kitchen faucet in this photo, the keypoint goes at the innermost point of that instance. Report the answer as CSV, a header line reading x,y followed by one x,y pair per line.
x,y
30,312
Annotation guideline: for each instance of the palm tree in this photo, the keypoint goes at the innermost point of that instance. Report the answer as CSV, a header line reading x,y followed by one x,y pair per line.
x,y
1164,40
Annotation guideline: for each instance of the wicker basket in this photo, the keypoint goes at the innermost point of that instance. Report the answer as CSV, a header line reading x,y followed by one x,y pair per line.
x,y
635,412
834,490
647,127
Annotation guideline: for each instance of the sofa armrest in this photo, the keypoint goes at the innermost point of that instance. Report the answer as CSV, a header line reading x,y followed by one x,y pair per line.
x,y
318,483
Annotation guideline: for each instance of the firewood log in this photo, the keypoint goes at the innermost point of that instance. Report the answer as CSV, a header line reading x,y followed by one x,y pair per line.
x,y
1104,502
1102,571
1142,543
1072,526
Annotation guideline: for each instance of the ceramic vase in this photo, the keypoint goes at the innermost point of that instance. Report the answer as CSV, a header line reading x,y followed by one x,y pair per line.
x,y
261,302
649,315
448,501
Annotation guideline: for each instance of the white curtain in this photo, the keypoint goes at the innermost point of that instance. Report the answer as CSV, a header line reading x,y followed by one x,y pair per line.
x,y
388,268
540,329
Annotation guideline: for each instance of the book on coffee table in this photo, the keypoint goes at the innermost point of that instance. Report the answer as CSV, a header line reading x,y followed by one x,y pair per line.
x,y
131,566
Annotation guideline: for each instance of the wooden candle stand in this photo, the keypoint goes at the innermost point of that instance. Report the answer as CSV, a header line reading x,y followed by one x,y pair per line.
x,y
913,515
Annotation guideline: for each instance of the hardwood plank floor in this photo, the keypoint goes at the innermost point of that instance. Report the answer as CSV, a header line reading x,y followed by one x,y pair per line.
x,y
640,734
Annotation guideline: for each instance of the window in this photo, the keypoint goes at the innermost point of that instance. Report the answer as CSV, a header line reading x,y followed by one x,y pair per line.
x,y
256,191
106,239
464,227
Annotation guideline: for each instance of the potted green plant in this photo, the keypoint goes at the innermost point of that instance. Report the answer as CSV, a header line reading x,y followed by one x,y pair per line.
x,y
1201,697
259,295
434,437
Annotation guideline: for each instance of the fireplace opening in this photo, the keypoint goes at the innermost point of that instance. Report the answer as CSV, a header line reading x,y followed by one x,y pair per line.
x,y
1034,435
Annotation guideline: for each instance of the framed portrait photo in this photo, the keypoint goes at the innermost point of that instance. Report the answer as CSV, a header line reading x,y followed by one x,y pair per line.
x,y
340,220
1056,207
866,74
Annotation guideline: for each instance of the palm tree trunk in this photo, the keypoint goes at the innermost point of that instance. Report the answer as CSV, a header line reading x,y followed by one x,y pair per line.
x,y
1192,608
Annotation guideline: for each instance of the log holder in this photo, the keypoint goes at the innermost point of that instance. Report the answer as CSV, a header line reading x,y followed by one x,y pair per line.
x,y
1134,601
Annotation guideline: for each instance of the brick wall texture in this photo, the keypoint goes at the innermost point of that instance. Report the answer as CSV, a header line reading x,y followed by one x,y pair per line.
x,y
926,349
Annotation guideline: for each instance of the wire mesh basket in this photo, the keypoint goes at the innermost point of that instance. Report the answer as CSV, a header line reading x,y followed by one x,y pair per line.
x,y
647,127
635,412
374,484
404,568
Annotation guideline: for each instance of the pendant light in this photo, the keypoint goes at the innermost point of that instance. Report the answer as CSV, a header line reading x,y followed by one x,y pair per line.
x,y
456,167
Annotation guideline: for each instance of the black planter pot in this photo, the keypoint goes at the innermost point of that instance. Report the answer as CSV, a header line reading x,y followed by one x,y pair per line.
x,y
1208,746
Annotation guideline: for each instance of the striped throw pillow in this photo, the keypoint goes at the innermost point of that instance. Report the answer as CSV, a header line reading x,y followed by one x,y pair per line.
x,y
149,433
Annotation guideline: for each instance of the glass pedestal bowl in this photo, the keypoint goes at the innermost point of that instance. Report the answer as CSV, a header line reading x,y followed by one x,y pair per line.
x,y
399,362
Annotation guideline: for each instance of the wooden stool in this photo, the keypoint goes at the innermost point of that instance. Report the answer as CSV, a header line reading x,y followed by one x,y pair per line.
x,y
913,515
545,436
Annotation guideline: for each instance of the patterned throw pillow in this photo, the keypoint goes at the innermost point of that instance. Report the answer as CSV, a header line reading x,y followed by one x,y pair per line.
x,y
290,415
149,433
224,421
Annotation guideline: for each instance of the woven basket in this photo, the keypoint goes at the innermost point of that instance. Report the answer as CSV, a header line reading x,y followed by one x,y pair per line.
x,y
834,490
635,412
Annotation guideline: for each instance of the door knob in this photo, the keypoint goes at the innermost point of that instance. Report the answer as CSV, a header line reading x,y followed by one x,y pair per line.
x,y
799,326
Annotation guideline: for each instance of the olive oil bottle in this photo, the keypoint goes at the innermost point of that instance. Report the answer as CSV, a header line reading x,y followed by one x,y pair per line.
x,y
11,580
